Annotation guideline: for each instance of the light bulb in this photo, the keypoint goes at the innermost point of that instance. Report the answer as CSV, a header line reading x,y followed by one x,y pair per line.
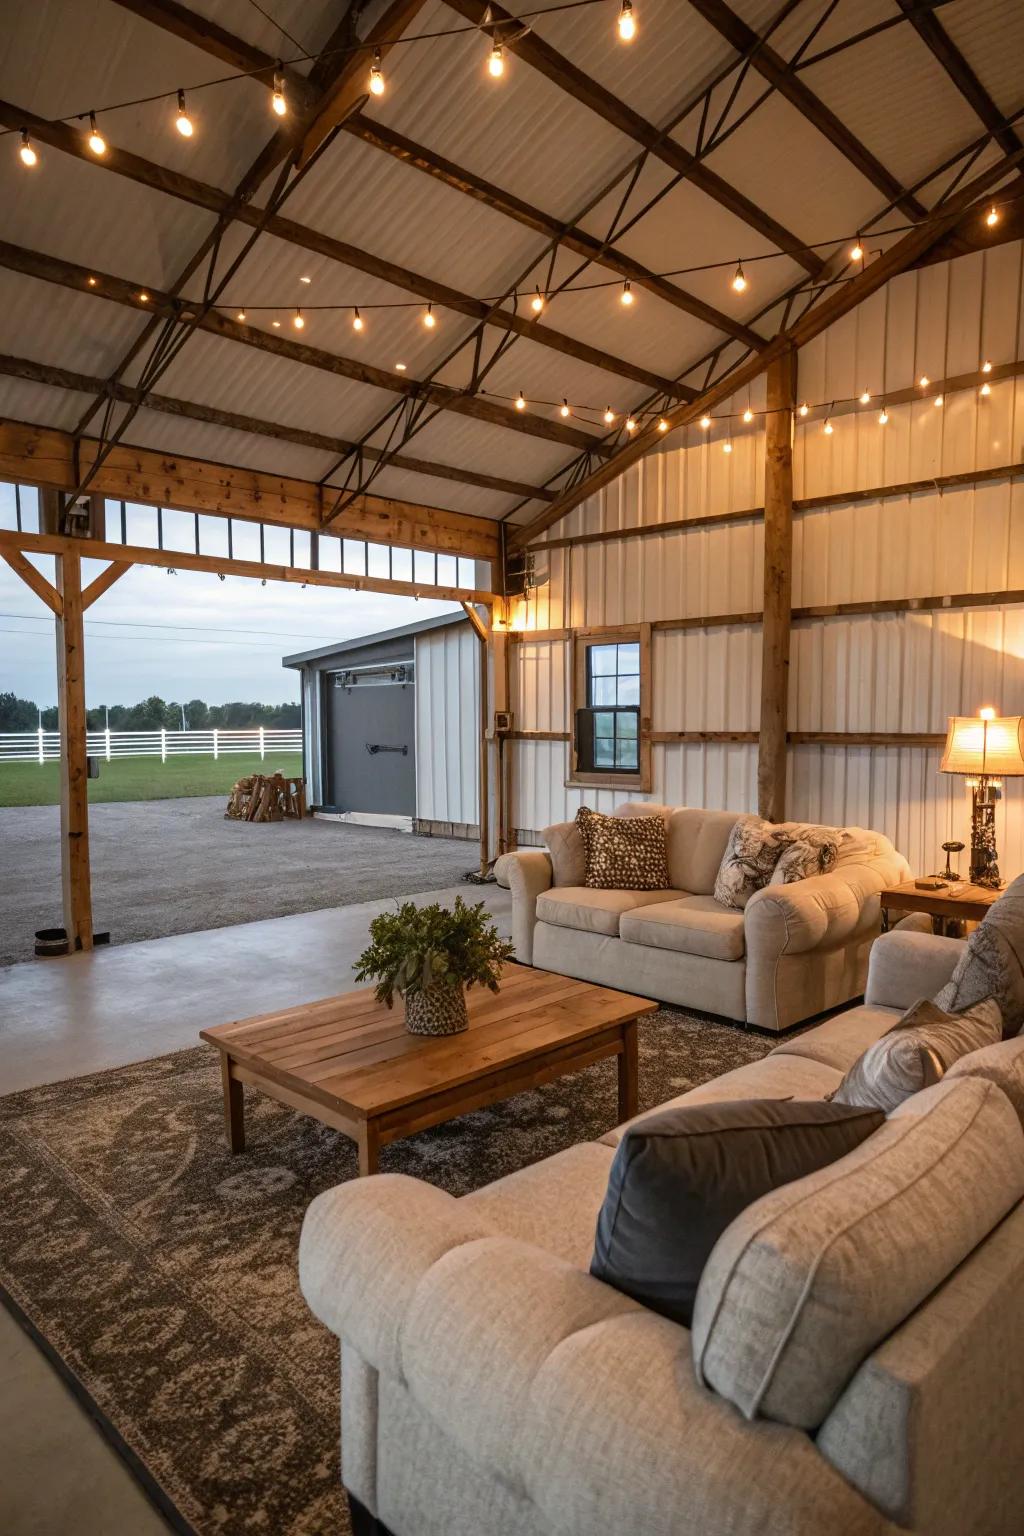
x,y
305,279
986,366
923,381
705,422
276,324
520,402
143,297
827,428
857,252
609,416
987,713
992,217
739,282
537,302
626,296
748,415
277,101
865,398
97,143
662,424
563,409
400,367
298,322
241,314
627,22
376,75
938,399
27,153
428,318
630,424
804,409
727,446
91,281
496,62
183,122
986,388
883,417
357,320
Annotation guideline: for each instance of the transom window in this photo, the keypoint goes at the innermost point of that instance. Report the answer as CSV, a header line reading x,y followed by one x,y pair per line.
x,y
608,722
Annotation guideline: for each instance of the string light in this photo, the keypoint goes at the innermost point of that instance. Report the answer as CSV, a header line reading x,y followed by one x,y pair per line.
x,y
143,298
563,409
306,280
91,281
400,367
276,324
183,122
939,399
537,302
278,101
241,315
520,402
923,381
828,428
739,282
748,415
865,398
992,217
630,424
986,388
298,322
804,409
857,253
986,366
609,417
358,323
376,75
496,61
627,22
26,152
883,417
705,422
626,296
662,424
428,318
727,446
97,143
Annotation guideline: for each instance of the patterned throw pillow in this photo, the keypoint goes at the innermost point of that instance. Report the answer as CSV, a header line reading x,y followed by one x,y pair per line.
x,y
917,1052
750,857
624,853
814,854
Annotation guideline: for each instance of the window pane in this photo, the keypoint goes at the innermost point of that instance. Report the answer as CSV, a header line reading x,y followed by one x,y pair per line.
x,y
604,723
604,752
627,724
602,691
626,754
629,657
602,660
628,691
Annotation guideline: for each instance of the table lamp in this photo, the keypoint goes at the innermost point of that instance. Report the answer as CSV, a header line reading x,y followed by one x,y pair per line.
x,y
987,749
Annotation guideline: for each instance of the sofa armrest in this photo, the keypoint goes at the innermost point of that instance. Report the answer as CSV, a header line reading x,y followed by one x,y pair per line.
x,y
905,966
818,913
364,1248
528,874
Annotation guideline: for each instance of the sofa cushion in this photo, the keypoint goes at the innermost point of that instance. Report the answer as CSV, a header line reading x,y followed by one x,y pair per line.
x,y
577,906
840,1040
808,1280
552,1204
624,853
568,859
696,846
680,1176
993,963
1002,1064
916,1052
697,925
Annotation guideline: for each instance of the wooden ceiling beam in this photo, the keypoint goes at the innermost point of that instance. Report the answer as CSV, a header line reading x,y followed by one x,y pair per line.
x,y
458,179
62,137
118,290
905,253
773,68
45,456
935,37
65,378
533,50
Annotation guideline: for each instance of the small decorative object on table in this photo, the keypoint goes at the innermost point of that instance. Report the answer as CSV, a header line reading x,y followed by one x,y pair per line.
x,y
430,955
986,749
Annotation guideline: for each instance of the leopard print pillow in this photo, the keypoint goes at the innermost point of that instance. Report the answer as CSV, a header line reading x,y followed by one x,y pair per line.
x,y
624,853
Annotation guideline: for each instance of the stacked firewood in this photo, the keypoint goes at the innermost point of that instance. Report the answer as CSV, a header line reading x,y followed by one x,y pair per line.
x,y
266,797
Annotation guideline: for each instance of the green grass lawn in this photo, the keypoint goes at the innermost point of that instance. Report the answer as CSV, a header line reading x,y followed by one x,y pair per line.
x,y
143,778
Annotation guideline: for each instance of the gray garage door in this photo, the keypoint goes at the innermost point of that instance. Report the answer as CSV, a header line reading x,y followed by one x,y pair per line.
x,y
371,742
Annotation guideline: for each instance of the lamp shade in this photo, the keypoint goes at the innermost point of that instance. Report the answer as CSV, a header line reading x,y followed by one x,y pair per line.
x,y
975,746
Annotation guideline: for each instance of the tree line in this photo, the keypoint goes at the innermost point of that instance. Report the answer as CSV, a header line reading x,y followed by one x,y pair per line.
x,y
153,714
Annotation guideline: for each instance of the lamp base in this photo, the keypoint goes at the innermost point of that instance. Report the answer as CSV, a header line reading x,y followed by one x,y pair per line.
x,y
984,865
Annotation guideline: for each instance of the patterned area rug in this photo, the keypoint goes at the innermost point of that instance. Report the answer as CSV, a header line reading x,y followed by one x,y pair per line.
x,y
159,1272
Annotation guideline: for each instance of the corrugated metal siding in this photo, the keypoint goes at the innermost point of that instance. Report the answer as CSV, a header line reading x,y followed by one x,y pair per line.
x,y
447,724
901,672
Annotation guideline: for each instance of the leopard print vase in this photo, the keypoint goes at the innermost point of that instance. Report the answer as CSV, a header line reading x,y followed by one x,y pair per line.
x,y
438,1011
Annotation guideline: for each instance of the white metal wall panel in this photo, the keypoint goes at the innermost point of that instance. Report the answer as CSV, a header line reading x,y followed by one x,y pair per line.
x,y
447,724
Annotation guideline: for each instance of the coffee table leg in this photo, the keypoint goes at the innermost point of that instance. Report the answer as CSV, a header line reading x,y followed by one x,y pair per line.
x,y
628,1072
234,1107
369,1148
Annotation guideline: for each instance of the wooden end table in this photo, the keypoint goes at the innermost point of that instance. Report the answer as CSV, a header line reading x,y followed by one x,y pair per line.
x,y
350,1062
959,902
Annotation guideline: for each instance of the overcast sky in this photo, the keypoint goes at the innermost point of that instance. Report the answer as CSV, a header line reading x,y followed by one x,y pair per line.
x,y
187,636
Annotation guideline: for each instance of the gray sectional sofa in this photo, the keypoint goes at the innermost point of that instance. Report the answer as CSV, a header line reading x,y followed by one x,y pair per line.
x,y
794,951
856,1363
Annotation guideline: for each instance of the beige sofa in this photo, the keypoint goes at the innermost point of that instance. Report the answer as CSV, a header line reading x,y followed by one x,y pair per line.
x,y
491,1385
793,952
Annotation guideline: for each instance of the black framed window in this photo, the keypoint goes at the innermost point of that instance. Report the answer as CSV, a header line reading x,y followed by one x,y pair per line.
x,y
608,723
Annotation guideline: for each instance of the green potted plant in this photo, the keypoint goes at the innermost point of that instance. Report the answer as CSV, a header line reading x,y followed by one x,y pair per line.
x,y
430,955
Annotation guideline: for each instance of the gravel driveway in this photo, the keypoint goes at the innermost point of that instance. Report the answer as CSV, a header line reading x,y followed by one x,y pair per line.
x,y
173,866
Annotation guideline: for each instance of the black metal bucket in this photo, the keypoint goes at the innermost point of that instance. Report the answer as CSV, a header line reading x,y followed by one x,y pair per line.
x,y
51,941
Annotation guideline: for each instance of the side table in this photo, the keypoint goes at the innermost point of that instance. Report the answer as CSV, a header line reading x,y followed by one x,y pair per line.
x,y
948,909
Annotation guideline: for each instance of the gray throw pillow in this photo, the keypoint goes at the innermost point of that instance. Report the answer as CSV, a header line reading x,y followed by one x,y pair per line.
x,y
992,965
681,1177
916,1053
624,853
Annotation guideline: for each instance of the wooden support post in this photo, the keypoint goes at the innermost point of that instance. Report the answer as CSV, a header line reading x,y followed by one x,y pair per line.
x,y
778,586
74,804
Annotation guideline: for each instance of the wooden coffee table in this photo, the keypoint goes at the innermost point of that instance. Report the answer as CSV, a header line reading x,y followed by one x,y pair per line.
x,y
350,1062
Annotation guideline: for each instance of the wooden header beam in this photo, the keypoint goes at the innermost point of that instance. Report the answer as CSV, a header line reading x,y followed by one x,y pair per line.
x,y
171,559
45,456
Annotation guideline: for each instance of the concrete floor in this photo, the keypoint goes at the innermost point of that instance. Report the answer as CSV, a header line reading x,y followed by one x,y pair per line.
x,y
176,866
65,1018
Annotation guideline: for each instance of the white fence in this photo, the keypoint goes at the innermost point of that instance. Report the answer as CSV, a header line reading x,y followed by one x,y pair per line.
x,y
44,746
